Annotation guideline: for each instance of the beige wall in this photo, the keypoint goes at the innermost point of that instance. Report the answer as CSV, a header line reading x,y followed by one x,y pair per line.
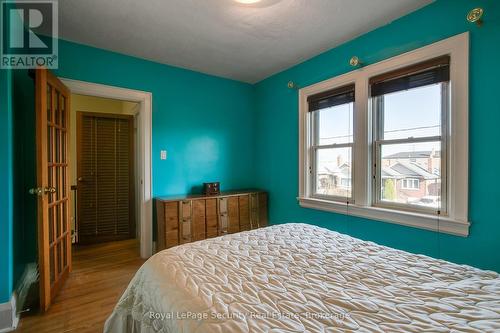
x,y
81,103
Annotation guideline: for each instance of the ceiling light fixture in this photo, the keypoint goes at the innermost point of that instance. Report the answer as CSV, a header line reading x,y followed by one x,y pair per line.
x,y
256,3
247,2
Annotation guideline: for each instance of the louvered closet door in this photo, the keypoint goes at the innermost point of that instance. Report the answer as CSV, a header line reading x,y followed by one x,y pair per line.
x,y
105,178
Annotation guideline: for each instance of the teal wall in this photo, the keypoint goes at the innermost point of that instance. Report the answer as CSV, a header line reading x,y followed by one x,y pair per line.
x,y
24,173
6,210
205,123
277,125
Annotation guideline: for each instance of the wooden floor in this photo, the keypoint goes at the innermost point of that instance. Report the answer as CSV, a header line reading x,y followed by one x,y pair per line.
x,y
100,275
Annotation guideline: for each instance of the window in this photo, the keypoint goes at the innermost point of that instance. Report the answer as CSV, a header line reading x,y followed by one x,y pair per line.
x,y
331,118
410,112
390,141
409,184
345,182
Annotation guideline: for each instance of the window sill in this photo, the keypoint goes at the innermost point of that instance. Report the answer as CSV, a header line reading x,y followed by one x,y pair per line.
x,y
417,220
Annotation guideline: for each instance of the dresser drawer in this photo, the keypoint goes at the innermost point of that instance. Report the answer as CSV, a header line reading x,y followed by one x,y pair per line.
x,y
185,212
233,214
198,220
198,217
211,217
244,212
171,216
223,218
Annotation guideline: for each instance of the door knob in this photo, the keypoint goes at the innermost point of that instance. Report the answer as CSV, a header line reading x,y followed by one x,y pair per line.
x,y
49,190
80,179
40,191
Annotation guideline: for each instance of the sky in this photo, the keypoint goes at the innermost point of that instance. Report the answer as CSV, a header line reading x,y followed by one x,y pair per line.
x,y
415,112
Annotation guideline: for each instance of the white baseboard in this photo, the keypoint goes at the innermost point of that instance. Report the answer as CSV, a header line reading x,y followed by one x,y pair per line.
x,y
8,315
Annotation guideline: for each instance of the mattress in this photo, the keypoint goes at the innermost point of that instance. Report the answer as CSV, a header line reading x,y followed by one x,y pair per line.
x,y
303,278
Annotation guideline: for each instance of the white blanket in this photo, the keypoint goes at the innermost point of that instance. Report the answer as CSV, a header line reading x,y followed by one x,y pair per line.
x,y
298,277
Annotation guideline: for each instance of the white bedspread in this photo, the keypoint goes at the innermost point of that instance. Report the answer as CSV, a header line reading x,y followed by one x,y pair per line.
x,y
298,277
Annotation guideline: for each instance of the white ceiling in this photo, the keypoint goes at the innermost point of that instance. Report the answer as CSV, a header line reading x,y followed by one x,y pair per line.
x,y
224,38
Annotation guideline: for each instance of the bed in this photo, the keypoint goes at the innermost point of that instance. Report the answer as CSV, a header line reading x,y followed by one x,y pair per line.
x,y
297,277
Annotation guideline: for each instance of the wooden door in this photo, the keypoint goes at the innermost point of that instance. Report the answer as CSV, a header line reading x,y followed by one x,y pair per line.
x,y
105,176
52,137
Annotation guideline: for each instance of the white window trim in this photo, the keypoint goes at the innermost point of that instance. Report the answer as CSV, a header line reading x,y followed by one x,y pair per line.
x,y
456,222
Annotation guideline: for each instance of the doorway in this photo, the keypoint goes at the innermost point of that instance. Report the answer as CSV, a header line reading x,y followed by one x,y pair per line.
x,y
143,188
103,177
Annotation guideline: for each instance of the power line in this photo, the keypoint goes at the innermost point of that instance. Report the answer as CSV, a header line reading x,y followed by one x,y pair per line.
x,y
414,128
391,131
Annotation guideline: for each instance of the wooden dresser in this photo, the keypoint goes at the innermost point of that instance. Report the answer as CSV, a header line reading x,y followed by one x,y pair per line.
x,y
191,218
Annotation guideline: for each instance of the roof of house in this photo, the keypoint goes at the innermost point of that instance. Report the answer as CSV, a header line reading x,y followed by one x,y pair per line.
x,y
343,169
413,154
388,172
405,170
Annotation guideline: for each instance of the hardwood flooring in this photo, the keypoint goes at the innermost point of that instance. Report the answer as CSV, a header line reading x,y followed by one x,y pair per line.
x,y
100,275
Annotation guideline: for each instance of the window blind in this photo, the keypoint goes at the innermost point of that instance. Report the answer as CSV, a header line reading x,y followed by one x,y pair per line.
x,y
333,97
425,73
106,196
